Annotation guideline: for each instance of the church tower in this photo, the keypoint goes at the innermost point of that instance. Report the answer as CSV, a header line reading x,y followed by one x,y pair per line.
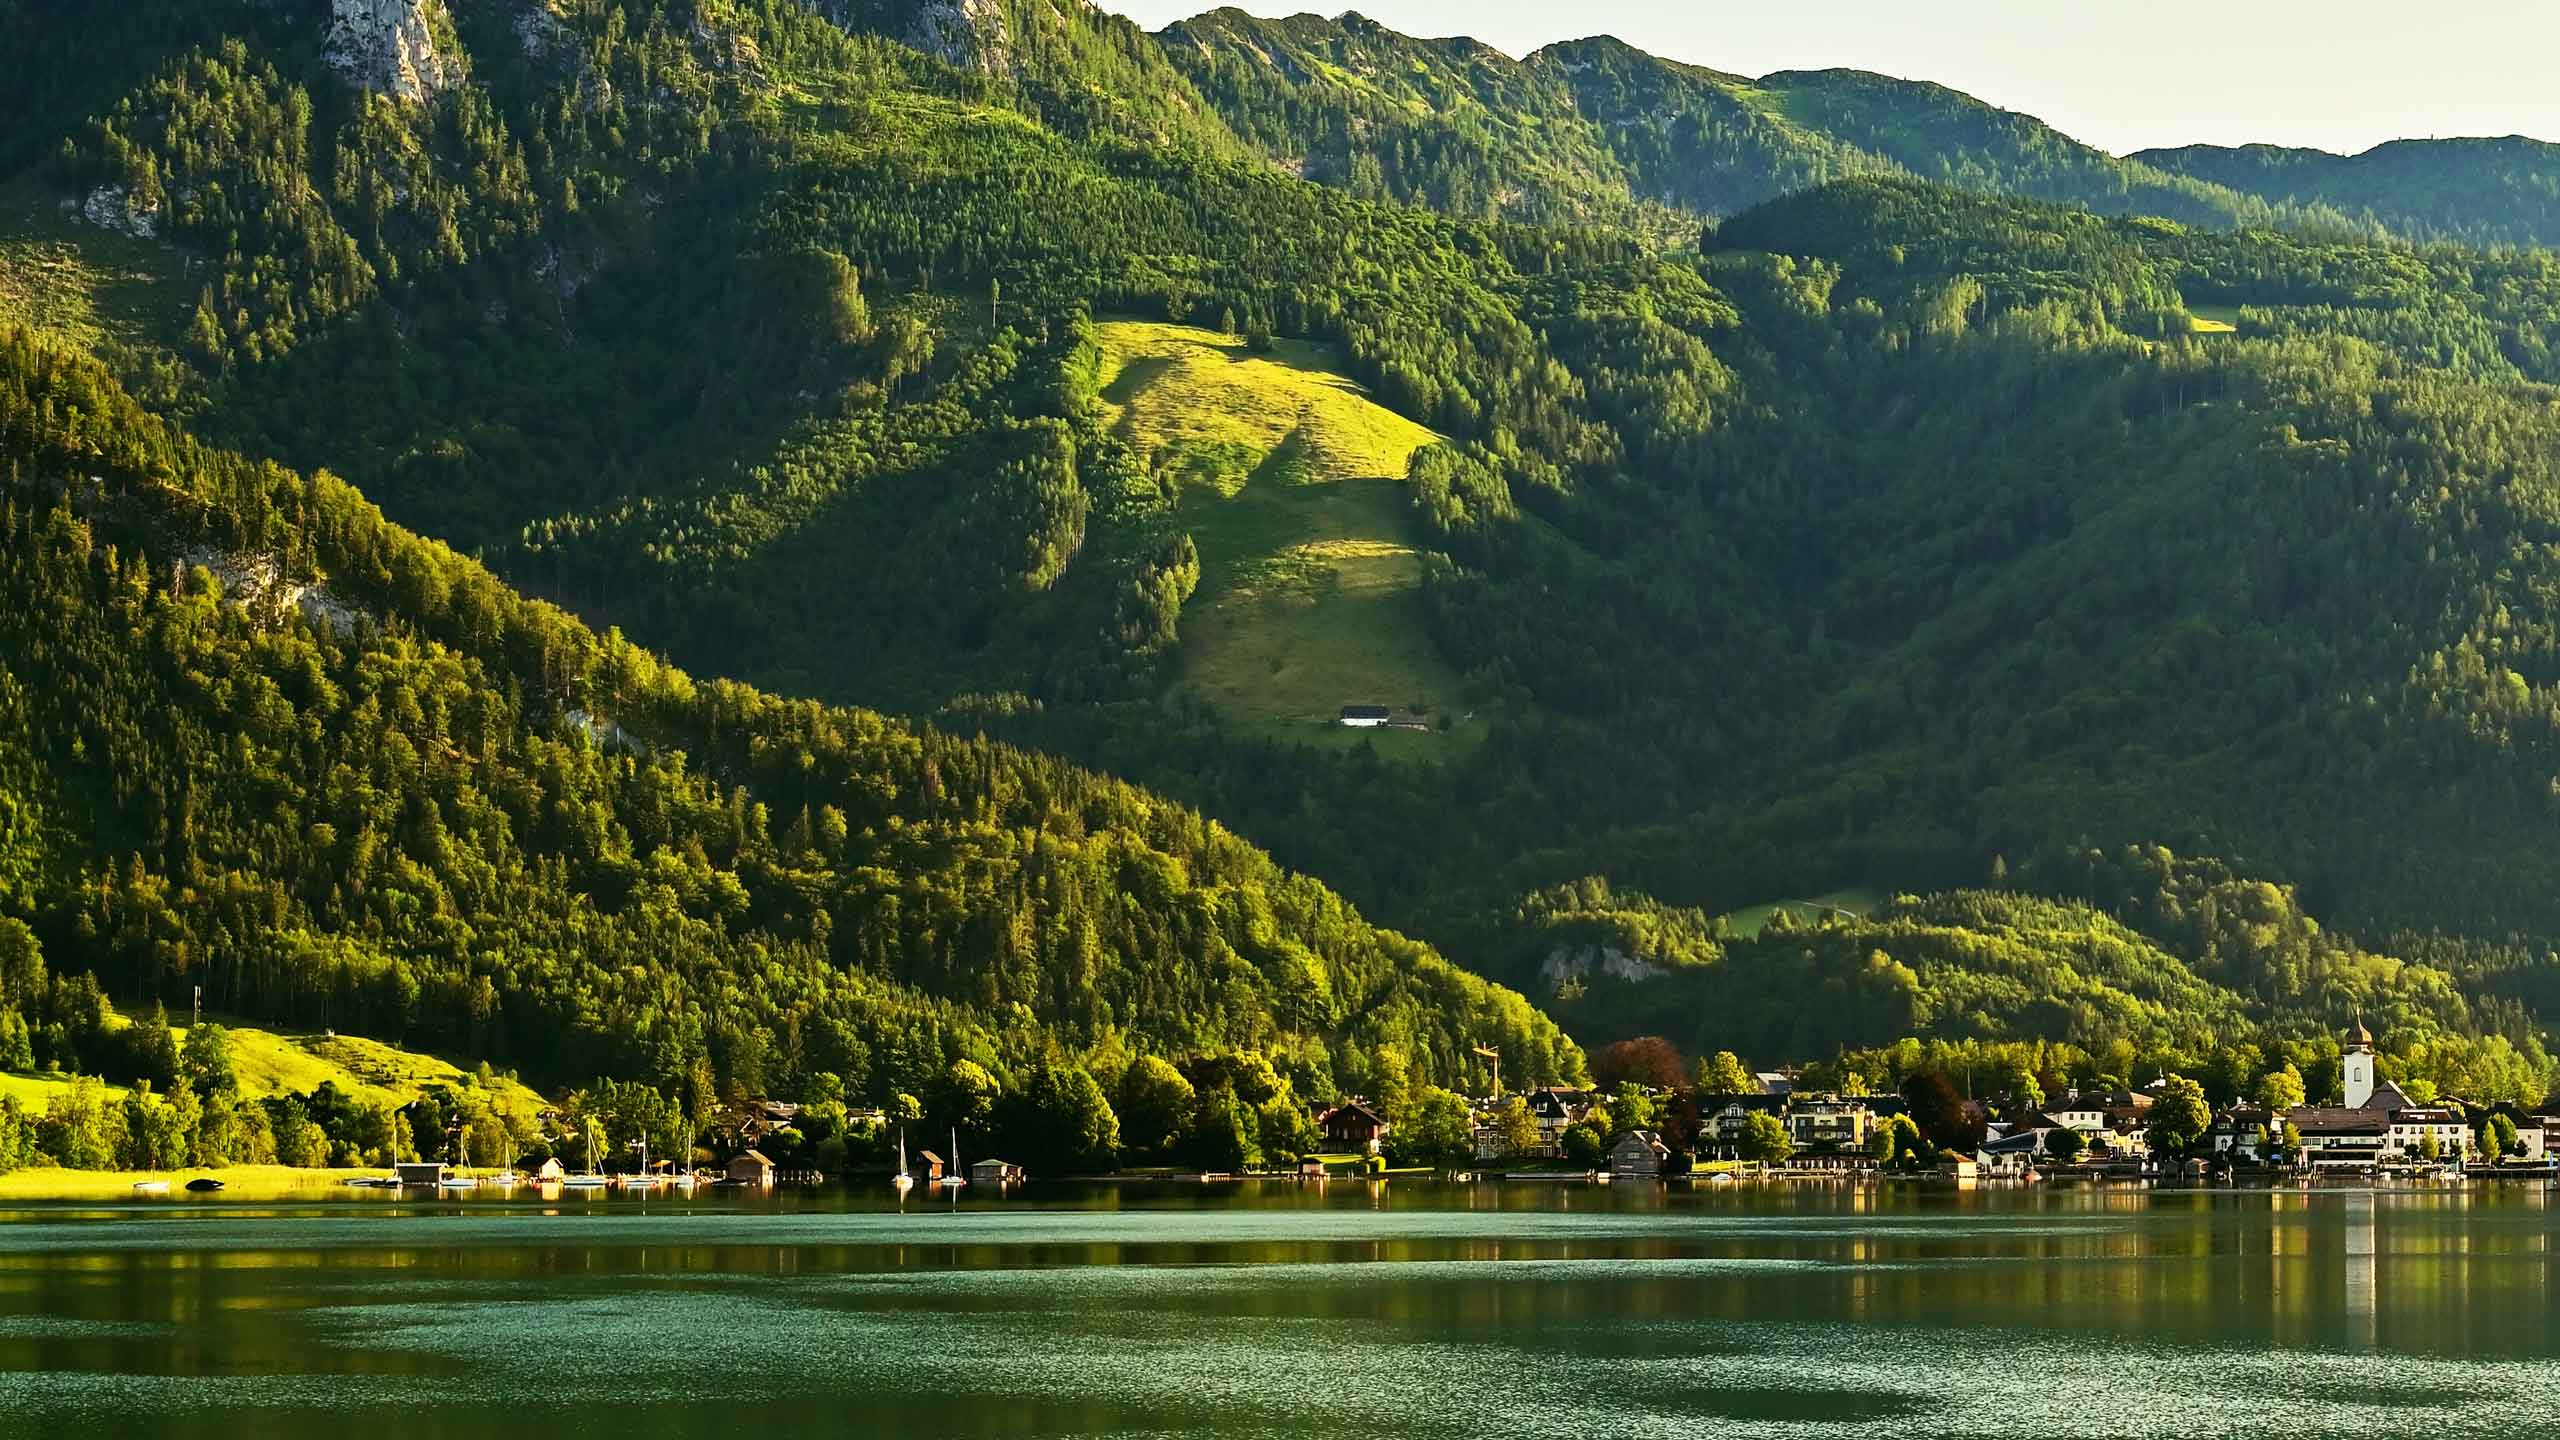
x,y
2355,1067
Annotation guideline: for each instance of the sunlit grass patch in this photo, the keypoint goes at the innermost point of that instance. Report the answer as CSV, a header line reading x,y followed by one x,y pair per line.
x,y
1752,919
1290,479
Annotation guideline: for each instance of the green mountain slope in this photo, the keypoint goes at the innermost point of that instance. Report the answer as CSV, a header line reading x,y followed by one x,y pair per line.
x,y
1291,491
266,743
1082,70
1905,534
1596,129
2480,192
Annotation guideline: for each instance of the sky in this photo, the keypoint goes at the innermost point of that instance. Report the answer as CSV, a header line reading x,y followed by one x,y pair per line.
x,y
2343,75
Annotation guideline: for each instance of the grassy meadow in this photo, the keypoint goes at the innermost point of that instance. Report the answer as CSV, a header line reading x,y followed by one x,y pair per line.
x,y
2213,319
1751,919
272,1062
1291,482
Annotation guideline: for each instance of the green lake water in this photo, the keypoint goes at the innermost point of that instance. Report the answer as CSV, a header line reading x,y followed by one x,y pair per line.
x,y
1400,1309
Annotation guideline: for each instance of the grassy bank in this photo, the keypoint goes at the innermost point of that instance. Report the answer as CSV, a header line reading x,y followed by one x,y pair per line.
x,y
240,1182
281,1062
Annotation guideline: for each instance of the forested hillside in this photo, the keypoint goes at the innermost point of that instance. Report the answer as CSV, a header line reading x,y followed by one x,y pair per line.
x,y
261,741
2479,192
1596,129
1831,481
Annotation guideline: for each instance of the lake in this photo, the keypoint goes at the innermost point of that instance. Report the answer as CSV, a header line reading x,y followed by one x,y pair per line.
x,y
1403,1308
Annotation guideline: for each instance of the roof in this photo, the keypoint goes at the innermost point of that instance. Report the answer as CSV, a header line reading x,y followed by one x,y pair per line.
x,y
1365,712
2022,1143
1643,1138
757,1156
1803,1103
1351,1110
1712,1104
2387,1097
1555,1100
2336,1120
2360,1035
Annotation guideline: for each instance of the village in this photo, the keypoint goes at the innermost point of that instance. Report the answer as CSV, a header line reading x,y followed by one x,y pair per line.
x,y
2161,1131
1759,1126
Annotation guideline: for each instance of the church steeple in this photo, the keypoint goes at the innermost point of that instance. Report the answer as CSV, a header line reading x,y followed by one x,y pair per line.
x,y
2355,1067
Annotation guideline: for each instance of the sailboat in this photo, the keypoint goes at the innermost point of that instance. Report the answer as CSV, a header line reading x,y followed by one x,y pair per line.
x,y
588,1179
902,1182
686,1177
955,1177
506,1178
645,1179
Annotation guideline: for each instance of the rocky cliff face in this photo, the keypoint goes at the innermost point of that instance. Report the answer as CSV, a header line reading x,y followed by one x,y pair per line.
x,y
403,48
969,34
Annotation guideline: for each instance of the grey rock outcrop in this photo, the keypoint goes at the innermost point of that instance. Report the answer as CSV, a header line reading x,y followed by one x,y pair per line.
x,y
968,34
402,48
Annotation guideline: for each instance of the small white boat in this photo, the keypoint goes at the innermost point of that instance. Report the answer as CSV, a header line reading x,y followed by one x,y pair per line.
x,y
955,1177
504,1180
639,1182
457,1182
581,1182
150,1187
902,1182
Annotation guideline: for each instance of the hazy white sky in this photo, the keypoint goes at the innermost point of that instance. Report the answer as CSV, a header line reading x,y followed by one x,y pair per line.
x,y
2341,75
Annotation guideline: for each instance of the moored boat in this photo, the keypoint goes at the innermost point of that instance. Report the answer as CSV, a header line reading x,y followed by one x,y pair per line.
x,y
150,1187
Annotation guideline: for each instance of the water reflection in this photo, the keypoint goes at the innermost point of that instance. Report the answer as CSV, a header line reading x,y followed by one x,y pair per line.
x,y
1206,1310
2363,1310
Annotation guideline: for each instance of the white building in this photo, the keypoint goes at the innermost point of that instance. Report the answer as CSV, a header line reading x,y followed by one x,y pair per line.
x,y
2379,1124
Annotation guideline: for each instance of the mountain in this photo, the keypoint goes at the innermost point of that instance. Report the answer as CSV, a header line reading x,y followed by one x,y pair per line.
x,y
1598,129
261,741
1946,524
1081,69
2479,192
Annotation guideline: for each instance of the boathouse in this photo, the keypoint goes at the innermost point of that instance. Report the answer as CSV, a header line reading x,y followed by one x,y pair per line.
x,y
1639,1155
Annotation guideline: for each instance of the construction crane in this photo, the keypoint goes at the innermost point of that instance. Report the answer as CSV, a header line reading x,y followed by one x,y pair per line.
x,y
1489,1053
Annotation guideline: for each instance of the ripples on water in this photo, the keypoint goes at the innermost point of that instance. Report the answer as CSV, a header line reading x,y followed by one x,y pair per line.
x,y
1779,1315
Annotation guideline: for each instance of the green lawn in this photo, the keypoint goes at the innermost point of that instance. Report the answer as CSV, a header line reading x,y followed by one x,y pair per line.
x,y
2213,319
1749,920
240,1182
271,1062
1292,484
